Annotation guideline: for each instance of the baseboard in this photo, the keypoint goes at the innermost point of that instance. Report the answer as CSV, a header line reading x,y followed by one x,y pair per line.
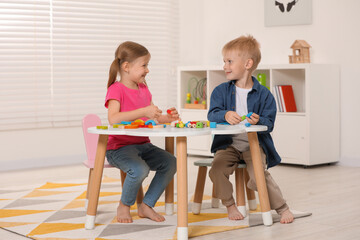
x,y
351,162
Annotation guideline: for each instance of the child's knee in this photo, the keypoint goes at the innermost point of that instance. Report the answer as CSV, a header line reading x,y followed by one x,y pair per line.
x,y
140,172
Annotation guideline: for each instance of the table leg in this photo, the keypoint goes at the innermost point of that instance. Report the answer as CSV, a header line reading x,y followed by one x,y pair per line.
x,y
169,191
182,194
260,178
96,182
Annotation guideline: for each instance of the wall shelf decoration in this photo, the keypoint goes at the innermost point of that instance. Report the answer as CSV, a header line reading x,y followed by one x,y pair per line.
x,y
287,12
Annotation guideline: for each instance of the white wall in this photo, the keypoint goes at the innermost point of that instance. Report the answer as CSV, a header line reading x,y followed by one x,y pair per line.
x,y
206,25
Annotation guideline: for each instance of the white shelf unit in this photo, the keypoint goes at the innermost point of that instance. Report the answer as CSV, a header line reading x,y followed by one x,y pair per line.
x,y
310,136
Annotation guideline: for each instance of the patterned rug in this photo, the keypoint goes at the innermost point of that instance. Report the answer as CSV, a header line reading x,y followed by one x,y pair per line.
x,y
56,211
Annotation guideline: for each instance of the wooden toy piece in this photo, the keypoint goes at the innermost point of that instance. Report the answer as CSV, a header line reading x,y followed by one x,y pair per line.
x,y
158,126
188,98
115,125
125,122
139,121
102,127
243,117
301,52
203,102
212,124
181,125
131,126
150,122
150,126
173,124
199,125
168,111
121,126
249,114
247,124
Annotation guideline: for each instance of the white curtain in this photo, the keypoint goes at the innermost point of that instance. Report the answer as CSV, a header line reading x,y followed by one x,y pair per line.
x,y
55,56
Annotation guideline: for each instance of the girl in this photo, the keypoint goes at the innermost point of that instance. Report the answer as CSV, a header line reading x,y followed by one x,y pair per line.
x,y
128,100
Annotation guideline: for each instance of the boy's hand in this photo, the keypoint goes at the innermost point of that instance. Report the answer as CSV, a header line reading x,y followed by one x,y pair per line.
x,y
232,117
253,119
152,112
173,114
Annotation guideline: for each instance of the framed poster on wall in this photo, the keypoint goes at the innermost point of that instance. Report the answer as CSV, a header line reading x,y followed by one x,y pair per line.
x,y
287,12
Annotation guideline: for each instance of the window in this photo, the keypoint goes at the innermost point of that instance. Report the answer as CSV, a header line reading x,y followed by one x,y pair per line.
x,y
55,56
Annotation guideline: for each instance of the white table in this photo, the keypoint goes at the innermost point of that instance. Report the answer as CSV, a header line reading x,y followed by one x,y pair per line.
x,y
181,135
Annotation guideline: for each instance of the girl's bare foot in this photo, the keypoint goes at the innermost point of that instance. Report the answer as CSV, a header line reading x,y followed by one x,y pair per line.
x,y
287,217
123,213
233,213
145,211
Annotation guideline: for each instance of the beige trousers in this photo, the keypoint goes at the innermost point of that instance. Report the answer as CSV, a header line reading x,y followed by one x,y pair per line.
x,y
224,164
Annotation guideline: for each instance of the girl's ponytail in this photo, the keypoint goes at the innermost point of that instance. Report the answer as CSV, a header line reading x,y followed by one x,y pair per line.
x,y
113,72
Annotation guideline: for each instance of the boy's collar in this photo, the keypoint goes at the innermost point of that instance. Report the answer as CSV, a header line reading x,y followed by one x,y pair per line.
x,y
255,86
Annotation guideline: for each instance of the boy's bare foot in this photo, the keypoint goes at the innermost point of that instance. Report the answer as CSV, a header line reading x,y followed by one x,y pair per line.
x,y
123,213
233,213
145,211
287,217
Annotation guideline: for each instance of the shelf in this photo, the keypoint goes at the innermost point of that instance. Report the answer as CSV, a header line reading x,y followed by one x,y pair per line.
x,y
301,137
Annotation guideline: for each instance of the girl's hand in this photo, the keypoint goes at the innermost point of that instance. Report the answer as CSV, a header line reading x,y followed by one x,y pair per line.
x,y
232,117
152,112
173,114
254,119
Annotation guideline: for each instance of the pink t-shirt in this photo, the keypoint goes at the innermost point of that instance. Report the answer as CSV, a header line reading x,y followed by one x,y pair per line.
x,y
130,99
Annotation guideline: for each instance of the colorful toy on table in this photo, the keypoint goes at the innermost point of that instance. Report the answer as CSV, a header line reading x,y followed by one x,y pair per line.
x,y
242,118
138,123
102,127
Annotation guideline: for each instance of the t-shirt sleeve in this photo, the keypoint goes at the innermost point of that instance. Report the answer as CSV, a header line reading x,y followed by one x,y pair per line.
x,y
113,92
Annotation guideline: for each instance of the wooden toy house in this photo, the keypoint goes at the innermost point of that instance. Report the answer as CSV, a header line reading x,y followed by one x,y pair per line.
x,y
301,52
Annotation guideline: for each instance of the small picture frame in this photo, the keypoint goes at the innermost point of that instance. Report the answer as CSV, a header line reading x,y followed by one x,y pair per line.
x,y
287,12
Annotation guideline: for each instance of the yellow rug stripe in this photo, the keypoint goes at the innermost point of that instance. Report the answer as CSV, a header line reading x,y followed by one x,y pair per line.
x,y
14,224
46,228
50,185
81,203
36,238
107,179
195,231
4,213
41,193
205,217
102,194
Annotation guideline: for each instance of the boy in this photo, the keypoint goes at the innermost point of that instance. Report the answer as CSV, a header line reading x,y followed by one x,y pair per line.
x,y
231,100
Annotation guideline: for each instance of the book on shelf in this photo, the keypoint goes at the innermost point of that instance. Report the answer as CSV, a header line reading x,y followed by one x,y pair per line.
x,y
277,98
287,96
284,97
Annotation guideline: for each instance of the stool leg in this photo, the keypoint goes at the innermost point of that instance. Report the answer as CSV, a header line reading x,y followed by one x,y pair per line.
x,y
240,191
199,190
169,190
250,193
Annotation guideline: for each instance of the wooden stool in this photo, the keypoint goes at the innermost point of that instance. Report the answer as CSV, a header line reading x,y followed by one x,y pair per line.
x,y
240,175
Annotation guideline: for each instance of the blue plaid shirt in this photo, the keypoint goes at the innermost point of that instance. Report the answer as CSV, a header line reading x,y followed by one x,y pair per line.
x,y
260,101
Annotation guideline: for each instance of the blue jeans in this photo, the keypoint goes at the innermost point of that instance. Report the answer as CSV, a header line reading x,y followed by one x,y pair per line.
x,y
136,161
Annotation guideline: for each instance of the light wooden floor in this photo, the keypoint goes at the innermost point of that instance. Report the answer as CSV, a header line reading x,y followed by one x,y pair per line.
x,y
330,193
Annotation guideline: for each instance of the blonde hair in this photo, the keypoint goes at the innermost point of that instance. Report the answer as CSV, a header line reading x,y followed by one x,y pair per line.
x,y
247,47
126,52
